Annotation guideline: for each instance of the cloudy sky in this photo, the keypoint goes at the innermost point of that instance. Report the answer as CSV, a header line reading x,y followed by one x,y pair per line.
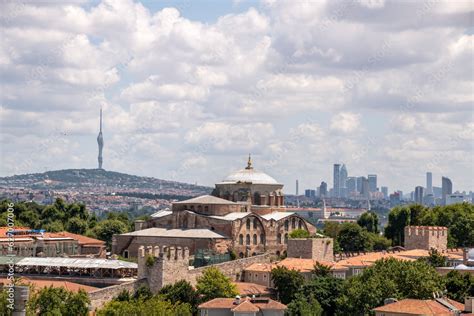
x,y
189,88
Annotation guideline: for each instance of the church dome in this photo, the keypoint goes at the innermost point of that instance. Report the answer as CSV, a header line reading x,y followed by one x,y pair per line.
x,y
249,175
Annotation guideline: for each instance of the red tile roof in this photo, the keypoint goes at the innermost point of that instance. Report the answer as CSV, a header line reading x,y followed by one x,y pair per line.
x,y
419,307
42,283
249,289
230,303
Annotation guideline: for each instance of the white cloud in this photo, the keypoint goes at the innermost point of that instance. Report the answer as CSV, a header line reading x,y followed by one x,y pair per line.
x,y
285,80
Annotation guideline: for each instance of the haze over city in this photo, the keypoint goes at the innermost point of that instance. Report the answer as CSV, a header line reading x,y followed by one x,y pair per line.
x,y
189,89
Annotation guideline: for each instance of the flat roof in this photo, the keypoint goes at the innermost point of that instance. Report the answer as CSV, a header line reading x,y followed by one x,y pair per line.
x,y
277,215
177,233
72,262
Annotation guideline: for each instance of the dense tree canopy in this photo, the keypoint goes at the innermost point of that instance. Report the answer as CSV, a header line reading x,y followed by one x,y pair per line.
x,y
459,285
60,216
459,218
141,307
51,301
212,283
181,292
287,283
369,221
385,279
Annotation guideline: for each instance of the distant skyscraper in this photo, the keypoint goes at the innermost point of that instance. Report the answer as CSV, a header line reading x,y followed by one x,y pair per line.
x,y
310,193
359,181
323,189
365,188
100,141
336,179
385,192
351,184
372,178
297,195
342,181
429,183
446,188
418,195
395,198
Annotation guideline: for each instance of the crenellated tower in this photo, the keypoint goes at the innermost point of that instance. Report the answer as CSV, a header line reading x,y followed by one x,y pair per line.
x,y
162,265
426,237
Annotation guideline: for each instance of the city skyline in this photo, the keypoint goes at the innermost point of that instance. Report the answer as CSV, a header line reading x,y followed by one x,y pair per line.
x,y
298,86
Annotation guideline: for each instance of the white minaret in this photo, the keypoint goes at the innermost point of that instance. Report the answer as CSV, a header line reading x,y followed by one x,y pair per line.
x,y
297,195
100,141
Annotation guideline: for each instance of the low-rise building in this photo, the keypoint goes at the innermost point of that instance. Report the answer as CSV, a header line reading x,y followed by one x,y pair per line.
x,y
413,307
238,307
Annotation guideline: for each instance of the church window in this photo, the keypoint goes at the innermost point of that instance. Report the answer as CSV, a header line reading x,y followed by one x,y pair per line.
x,y
286,225
293,223
247,239
254,223
279,238
254,239
241,255
199,208
241,239
300,224
262,239
248,223
125,253
286,238
206,209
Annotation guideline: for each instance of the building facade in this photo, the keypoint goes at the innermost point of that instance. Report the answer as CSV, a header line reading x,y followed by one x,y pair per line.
x,y
246,209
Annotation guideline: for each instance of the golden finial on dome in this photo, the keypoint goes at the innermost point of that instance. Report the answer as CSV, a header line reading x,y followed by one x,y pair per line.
x,y
249,163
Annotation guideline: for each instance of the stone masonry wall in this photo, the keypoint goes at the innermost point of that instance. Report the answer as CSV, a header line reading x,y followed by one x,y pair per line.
x,y
101,296
426,237
311,248
168,265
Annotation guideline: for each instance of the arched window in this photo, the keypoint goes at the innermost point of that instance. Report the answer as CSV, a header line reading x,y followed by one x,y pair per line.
x,y
241,239
248,223
125,253
255,223
199,208
286,225
241,255
286,238
279,238
192,207
262,239
206,209
254,239
277,253
247,239
293,223
300,224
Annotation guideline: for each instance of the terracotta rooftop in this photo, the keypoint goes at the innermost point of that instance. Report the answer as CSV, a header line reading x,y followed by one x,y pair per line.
x,y
230,303
82,240
245,306
419,307
249,289
42,283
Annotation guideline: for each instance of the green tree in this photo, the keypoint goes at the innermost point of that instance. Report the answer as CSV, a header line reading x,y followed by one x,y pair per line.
x,y
398,218
459,285
370,221
212,283
181,291
353,238
326,290
104,230
51,301
54,226
151,307
332,229
4,304
379,242
287,283
435,259
321,270
388,278
304,306
299,233
76,225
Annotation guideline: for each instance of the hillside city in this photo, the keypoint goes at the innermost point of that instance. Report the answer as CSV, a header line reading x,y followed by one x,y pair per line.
x,y
236,158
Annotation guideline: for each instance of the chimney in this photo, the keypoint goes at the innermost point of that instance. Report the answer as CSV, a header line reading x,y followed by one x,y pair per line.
x,y
469,304
237,300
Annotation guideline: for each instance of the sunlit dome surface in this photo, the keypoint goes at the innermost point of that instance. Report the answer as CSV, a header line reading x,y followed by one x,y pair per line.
x,y
249,175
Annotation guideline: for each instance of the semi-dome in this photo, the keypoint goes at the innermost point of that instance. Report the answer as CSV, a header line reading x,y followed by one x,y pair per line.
x,y
249,175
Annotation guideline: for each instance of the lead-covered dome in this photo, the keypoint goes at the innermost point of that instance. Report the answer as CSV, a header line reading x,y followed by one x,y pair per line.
x,y
249,175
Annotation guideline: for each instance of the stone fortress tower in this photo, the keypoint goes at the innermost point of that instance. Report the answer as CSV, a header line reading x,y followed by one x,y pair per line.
x,y
426,237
